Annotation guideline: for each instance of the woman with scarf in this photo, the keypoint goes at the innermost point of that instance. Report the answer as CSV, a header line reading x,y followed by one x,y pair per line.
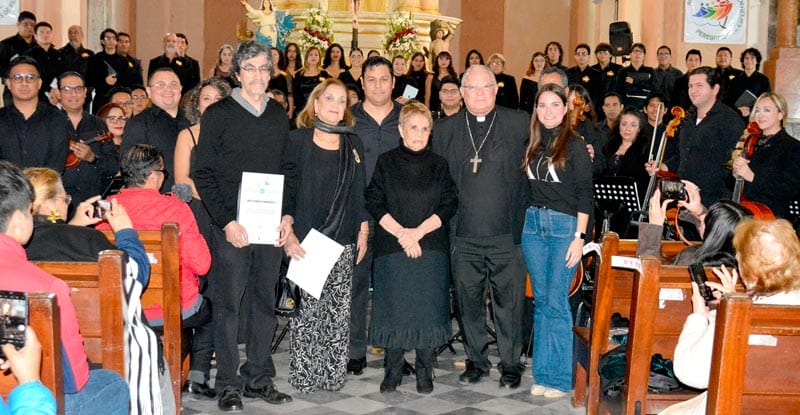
x,y
329,198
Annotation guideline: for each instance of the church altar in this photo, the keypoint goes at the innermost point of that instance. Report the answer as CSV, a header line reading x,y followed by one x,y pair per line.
x,y
372,19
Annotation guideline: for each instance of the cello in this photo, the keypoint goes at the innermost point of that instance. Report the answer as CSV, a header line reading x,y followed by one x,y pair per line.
x,y
678,114
745,148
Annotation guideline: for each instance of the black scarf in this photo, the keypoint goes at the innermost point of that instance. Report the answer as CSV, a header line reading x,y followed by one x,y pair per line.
x,y
347,173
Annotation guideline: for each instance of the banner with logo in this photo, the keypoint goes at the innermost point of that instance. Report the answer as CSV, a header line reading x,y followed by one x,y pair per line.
x,y
715,21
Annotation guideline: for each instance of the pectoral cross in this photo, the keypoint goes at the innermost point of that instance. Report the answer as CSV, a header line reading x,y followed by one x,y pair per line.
x,y
475,160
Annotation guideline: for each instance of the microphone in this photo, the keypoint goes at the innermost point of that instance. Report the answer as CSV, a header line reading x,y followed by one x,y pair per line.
x,y
182,191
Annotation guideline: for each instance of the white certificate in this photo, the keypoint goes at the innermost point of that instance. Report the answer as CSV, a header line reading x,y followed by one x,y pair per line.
x,y
311,272
259,208
410,92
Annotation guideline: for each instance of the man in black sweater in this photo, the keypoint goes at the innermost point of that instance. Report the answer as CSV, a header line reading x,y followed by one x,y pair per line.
x,y
16,45
484,145
245,132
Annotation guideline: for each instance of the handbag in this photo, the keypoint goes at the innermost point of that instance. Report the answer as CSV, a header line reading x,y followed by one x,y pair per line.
x,y
287,296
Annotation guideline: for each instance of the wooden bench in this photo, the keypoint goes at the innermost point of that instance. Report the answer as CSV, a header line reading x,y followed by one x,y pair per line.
x,y
655,327
751,379
164,289
43,317
612,294
96,292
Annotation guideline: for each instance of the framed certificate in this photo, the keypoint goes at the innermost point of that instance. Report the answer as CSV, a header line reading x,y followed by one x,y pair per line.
x,y
259,207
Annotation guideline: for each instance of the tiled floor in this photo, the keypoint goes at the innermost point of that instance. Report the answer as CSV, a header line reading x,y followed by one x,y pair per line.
x,y
361,396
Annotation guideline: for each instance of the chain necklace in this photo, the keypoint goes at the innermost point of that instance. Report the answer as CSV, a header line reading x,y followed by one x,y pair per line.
x,y
476,160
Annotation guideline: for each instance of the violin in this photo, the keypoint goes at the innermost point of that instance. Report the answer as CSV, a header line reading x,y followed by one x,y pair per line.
x,y
745,148
578,113
73,160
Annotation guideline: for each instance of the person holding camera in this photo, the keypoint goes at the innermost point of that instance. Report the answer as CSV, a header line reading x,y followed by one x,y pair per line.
x,y
715,225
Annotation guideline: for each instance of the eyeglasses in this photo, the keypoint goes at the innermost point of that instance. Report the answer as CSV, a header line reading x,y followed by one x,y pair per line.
x,y
493,63
478,87
251,69
453,91
67,199
119,119
138,97
72,89
166,85
663,54
165,172
24,77
582,54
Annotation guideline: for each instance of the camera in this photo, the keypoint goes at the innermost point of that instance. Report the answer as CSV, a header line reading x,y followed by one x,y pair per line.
x,y
100,208
13,318
672,189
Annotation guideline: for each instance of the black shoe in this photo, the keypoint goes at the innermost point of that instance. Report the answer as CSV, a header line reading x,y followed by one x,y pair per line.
x,y
390,384
472,375
424,381
231,400
510,380
269,394
408,368
356,366
201,390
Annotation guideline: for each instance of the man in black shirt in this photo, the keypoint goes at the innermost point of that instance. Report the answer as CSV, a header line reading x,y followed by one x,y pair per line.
x,y
160,124
193,67
666,74
187,73
707,137
484,145
585,75
635,82
134,73
16,45
105,69
50,59
35,133
608,70
377,119
726,74
96,157
76,57
245,132
680,95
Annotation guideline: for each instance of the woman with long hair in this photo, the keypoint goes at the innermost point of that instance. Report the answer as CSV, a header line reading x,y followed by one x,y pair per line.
x,y
419,74
555,54
329,198
294,59
334,63
306,79
352,76
559,173
222,68
442,69
529,84
474,57
279,79
626,151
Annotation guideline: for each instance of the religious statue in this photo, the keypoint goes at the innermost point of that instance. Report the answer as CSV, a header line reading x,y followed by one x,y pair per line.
x,y
441,35
273,25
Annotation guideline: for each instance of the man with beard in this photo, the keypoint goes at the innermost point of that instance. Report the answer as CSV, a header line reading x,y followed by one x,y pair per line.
x,y
483,146
172,59
76,57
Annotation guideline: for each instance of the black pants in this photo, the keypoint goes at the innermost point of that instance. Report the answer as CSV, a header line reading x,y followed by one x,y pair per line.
x,y
495,264
362,276
253,269
198,337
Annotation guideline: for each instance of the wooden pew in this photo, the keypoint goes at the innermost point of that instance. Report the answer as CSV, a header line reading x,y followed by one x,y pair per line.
x,y
612,294
96,292
750,379
43,317
653,329
164,289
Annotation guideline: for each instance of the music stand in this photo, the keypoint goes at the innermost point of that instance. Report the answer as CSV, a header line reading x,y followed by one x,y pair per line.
x,y
613,194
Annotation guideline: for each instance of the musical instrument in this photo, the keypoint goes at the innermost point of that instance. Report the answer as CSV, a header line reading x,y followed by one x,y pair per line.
x,y
73,160
745,148
678,114
578,113
574,286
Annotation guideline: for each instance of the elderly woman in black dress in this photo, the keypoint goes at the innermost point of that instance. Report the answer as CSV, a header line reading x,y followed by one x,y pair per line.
x,y
411,195
329,198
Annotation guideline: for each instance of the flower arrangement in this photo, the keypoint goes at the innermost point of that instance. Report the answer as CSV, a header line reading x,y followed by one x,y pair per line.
x,y
317,32
401,39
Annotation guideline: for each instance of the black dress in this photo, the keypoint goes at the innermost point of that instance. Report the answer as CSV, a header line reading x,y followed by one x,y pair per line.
x,y
411,303
506,91
302,86
527,94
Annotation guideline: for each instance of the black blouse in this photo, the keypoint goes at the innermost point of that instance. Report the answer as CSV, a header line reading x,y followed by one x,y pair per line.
x,y
411,186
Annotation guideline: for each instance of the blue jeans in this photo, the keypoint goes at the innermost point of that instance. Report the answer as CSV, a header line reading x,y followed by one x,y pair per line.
x,y
545,240
106,393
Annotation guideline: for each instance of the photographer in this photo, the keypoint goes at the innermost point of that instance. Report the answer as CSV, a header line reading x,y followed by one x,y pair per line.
x,y
715,225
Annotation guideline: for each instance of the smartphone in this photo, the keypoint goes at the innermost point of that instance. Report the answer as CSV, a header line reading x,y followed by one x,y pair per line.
x,y
672,189
100,208
13,318
698,274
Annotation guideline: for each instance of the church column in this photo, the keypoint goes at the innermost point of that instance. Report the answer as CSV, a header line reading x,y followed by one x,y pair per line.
x,y
409,5
783,67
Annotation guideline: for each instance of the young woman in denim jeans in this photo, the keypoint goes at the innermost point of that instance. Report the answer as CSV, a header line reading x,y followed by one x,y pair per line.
x,y
559,172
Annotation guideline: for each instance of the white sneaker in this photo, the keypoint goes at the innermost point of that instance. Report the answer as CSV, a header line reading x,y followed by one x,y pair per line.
x,y
538,390
551,393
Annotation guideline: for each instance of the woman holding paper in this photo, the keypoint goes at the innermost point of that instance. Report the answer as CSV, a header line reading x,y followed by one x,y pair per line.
x,y
330,199
411,195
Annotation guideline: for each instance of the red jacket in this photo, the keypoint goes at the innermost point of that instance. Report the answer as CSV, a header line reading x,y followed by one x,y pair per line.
x,y
17,274
148,210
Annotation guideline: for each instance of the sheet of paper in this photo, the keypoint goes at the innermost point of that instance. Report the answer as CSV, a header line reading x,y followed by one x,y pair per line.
x,y
410,92
311,272
259,208
631,263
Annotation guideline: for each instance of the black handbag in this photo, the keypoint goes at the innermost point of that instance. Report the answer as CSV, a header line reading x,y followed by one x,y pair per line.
x,y
287,296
